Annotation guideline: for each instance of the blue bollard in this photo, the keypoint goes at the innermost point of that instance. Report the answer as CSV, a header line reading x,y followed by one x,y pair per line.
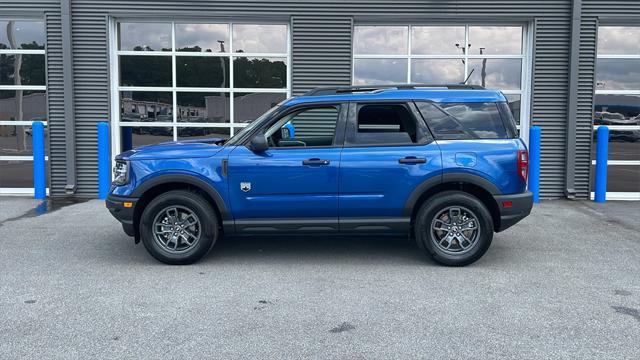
x,y
602,156
534,162
39,177
104,164
126,134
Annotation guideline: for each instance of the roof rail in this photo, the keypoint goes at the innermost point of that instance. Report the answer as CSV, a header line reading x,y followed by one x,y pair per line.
x,y
334,90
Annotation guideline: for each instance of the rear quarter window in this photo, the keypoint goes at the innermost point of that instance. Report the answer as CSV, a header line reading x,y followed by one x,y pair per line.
x,y
460,121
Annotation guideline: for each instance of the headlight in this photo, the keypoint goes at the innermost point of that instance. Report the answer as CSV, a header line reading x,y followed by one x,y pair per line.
x,y
121,173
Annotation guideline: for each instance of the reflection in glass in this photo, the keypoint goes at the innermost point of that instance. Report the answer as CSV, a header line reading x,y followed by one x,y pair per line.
x,y
199,71
18,174
618,74
17,140
145,70
379,71
437,40
23,105
618,40
495,40
21,34
189,133
495,73
144,36
133,137
30,67
616,110
203,107
259,73
202,37
437,71
386,40
514,106
146,106
623,178
623,144
249,106
260,38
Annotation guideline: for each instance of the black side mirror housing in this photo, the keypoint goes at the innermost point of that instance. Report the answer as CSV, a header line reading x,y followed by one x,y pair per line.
x,y
258,143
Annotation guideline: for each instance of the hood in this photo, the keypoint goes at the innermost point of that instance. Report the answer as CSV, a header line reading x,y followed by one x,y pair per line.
x,y
198,148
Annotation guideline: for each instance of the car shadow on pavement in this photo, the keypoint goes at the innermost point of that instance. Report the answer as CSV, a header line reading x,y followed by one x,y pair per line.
x,y
317,249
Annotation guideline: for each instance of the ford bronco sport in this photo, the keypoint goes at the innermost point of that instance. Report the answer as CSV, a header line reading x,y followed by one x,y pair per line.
x,y
442,164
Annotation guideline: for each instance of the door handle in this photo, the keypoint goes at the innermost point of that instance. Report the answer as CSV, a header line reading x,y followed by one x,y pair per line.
x,y
412,160
315,161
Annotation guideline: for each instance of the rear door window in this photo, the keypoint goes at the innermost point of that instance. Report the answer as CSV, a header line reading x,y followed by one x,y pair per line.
x,y
459,121
385,124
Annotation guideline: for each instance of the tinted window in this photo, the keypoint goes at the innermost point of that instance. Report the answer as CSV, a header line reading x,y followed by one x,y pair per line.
x,y
385,124
305,128
463,120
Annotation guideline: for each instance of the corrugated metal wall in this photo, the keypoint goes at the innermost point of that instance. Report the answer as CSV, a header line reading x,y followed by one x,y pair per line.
x,y
321,42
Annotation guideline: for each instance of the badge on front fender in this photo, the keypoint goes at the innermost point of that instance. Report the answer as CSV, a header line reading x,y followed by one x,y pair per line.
x,y
245,186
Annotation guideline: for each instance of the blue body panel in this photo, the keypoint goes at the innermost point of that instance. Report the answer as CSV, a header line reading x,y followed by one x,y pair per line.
x,y
492,160
357,182
373,183
281,187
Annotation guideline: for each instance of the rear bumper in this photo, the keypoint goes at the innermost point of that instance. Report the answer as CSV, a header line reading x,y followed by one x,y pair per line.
x,y
513,208
116,206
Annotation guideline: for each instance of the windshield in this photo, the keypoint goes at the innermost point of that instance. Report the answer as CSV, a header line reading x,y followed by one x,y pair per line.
x,y
255,123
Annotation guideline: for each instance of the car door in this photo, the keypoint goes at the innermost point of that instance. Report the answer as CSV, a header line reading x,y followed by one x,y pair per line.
x,y
388,153
293,185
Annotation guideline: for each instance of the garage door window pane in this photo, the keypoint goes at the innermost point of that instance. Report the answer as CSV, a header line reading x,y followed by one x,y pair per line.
x,y
199,71
612,109
437,71
496,73
618,40
18,174
202,37
144,36
21,34
203,107
187,133
495,40
387,40
146,106
437,40
259,73
514,105
133,137
618,74
33,105
260,38
249,106
623,145
620,178
379,71
145,70
31,69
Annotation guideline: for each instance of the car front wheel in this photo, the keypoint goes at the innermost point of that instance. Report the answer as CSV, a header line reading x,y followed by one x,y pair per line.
x,y
454,228
178,227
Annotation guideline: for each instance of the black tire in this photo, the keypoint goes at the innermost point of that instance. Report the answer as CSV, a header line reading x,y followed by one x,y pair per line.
x,y
427,238
186,201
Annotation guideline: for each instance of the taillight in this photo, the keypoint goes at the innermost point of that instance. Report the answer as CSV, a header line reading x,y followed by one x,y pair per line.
x,y
523,164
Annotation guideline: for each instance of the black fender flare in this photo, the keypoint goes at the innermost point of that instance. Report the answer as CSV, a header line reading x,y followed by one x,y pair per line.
x,y
185,179
447,178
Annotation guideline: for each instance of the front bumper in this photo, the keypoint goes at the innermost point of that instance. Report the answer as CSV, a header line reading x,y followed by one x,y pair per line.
x,y
513,208
116,206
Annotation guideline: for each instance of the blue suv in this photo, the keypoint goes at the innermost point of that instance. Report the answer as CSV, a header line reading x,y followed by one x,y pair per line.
x,y
442,164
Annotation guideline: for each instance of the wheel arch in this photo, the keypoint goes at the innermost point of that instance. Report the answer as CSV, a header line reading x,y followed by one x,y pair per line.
x,y
471,184
151,188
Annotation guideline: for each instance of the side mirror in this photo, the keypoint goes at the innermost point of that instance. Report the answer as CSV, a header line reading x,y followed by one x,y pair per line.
x,y
258,143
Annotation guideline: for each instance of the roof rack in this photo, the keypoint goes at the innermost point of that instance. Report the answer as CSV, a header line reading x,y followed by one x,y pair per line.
x,y
334,90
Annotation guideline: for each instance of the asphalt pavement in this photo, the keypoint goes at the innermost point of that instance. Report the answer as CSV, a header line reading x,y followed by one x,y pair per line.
x,y
564,283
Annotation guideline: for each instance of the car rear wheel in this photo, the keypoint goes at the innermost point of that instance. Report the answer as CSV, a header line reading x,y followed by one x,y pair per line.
x,y
454,228
178,227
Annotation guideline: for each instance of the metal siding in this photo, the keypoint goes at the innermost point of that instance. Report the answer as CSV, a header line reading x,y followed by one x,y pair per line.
x,y
321,52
